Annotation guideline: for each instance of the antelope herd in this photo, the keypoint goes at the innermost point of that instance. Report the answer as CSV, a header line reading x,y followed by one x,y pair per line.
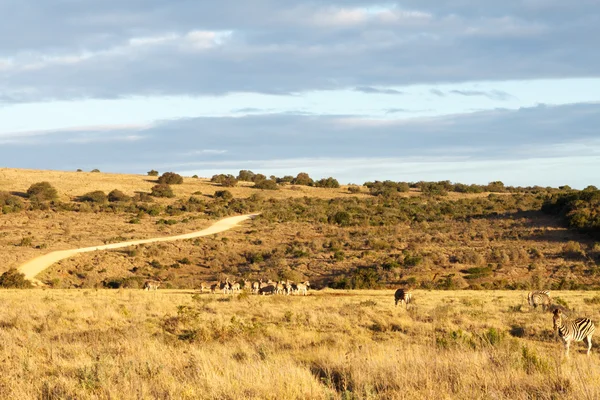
x,y
257,287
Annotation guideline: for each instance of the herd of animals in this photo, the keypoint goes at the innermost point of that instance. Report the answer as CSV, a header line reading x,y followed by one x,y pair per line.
x,y
569,330
256,287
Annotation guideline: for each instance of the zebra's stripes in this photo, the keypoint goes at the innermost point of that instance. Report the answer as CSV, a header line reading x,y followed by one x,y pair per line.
x,y
573,331
539,298
403,296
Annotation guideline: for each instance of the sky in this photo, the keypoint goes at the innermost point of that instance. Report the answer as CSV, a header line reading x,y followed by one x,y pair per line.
x,y
462,90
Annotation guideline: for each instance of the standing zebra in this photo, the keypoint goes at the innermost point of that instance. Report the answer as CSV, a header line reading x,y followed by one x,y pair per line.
x,y
573,331
151,285
539,297
403,296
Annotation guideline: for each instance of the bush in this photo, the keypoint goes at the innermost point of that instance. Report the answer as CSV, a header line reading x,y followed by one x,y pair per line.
x,y
10,203
302,179
341,218
95,170
153,172
117,195
223,194
266,184
170,178
97,196
353,189
14,279
42,191
162,190
245,175
224,180
327,183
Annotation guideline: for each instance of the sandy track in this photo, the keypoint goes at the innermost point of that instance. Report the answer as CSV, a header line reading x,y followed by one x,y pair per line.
x,y
33,267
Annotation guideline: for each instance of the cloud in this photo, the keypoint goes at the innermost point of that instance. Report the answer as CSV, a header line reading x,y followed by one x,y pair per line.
x,y
115,49
492,94
372,90
496,136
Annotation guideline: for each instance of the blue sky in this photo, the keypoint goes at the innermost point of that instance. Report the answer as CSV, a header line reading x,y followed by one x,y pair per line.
x,y
470,91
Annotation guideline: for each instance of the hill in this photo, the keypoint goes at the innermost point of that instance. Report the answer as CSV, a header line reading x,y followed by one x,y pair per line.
x,y
331,236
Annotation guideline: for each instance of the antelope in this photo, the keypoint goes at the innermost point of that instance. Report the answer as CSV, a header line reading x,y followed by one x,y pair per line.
x,y
403,296
268,289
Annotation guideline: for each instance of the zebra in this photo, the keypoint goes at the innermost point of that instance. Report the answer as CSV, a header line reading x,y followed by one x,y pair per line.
x,y
301,288
573,331
539,297
151,285
234,287
403,296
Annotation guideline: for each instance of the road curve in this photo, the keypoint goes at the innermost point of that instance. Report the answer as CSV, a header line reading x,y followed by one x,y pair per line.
x,y
33,267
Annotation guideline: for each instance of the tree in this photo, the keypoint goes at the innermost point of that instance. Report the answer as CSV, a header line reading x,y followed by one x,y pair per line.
x,y
153,172
246,176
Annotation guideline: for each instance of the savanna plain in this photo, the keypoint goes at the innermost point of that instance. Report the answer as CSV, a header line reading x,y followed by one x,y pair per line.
x,y
91,333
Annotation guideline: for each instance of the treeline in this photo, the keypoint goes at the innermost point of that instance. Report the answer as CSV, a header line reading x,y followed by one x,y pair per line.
x,y
442,188
273,182
580,209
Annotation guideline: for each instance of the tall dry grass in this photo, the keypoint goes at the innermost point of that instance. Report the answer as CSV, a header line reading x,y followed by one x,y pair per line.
x,y
126,344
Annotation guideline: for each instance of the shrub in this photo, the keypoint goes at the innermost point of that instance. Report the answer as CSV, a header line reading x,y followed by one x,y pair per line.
x,y
354,189
245,175
266,184
153,172
170,178
327,183
223,194
162,190
341,218
14,279
142,197
117,195
95,170
79,170
10,203
42,191
302,179
97,196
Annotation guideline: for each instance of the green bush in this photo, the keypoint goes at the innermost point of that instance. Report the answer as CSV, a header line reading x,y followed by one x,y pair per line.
x,y
42,191
95,170
303,179
354,189
10,203
117,195
162,190
327,183
97,196
153,172
266,184
246,176
14,279
170,178
224,195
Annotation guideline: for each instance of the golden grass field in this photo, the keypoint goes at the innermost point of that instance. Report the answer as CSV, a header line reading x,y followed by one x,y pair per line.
x,y
132,344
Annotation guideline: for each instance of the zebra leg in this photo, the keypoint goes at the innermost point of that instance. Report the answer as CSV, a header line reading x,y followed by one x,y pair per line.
x,y
588,339
567,348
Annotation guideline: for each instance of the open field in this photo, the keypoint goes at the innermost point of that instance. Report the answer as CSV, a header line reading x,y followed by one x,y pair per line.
x,y
126,344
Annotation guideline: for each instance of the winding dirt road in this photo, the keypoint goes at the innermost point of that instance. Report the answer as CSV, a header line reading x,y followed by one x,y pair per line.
x,y
33,267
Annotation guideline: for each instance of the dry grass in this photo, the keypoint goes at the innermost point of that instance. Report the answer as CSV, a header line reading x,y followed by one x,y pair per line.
x,y
172,345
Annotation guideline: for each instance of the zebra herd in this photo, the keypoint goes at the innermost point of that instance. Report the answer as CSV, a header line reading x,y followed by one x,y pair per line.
x,y
257,287
577,330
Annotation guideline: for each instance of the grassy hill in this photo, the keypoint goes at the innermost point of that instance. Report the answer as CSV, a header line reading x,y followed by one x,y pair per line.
x,y
331,237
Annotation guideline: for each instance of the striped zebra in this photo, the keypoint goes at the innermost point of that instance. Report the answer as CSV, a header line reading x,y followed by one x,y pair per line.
x,y
539,298
403,296
151,285
573,331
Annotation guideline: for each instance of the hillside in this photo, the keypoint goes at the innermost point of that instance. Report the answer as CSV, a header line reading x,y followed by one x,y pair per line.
x,y
328,236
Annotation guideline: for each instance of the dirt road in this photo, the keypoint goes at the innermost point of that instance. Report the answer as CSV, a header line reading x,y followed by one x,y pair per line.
x,y
33,267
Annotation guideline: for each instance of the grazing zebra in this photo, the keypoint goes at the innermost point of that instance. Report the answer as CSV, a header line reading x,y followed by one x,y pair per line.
x,y
403,296
256,286
539,297
151,285
224,286
573,331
